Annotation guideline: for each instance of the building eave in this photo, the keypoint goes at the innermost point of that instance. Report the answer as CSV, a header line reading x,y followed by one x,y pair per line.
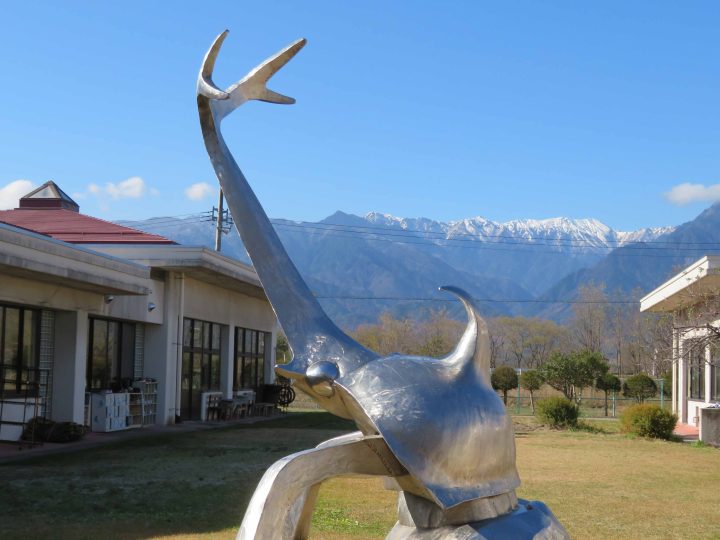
x,y
35,256
197,262
689,287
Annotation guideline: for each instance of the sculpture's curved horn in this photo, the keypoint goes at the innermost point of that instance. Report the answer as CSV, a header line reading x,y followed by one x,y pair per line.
x,y
255,80
205,84
474,345
311,334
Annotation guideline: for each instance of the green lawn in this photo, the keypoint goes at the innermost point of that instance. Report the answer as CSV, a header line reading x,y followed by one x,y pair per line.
x,y
197,484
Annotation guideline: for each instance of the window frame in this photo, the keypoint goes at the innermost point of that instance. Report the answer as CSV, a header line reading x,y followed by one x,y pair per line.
x,y
254,357
19,365
114,370
696,368
207,350
714,371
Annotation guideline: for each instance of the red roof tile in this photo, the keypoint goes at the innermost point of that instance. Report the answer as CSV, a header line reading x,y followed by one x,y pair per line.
x,y
77,228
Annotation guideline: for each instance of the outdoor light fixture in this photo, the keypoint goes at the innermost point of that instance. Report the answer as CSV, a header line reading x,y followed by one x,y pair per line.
x,y
109,298
151,306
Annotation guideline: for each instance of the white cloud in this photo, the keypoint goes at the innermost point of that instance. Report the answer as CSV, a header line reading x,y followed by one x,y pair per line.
x,y
132,188
198,191
11,193
687,193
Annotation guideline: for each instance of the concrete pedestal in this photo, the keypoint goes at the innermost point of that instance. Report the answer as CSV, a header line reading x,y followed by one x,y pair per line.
x,y
531,520
710,426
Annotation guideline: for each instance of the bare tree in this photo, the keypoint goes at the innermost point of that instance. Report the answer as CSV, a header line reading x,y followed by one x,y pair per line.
x,y
589,318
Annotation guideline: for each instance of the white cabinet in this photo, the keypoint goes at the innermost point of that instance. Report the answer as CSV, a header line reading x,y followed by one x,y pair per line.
x,y
109,411
148,391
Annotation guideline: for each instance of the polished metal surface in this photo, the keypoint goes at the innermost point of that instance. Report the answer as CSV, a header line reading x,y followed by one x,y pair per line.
x,y
531,520
281,506
438,419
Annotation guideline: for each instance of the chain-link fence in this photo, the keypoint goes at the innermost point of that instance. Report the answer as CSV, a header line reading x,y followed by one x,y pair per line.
x,y
593,403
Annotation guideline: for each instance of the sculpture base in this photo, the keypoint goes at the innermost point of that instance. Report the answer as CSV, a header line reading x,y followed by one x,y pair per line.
x,y
531,520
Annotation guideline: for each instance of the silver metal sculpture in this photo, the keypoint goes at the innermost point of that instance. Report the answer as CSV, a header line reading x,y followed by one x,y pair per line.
x,y
433,427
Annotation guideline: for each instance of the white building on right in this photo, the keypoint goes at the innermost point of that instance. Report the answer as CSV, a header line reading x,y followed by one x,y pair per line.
x,y
693,297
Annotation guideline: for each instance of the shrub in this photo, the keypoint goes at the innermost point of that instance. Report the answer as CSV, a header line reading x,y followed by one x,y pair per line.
x,y
558,412
504,378
648,421
531,381
640,387
570,373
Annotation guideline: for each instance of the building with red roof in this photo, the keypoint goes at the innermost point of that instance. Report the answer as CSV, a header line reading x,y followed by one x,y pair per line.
x,y
50,211
112,327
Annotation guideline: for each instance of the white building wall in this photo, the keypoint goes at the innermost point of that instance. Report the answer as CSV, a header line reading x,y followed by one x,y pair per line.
x,y
163,345
69,370
175,297
690,408
211,303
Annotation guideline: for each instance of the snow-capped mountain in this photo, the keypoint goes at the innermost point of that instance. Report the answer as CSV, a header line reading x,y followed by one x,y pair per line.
x,y
585,233
380,255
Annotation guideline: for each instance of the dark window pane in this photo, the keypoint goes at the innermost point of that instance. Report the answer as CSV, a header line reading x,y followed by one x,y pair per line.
x,y
12,336
216,337
206,336
260,368
696,368
112,351
29,355
10,379
261,343
29,346
197,334
127,351
248,377
215,372
187,332
197,371
206,372
99,375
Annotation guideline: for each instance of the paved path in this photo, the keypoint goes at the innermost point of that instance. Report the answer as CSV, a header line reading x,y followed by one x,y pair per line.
x,y
10,452
687,432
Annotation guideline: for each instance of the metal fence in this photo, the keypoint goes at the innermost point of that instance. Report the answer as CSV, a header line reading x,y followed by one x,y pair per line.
x,y
592,404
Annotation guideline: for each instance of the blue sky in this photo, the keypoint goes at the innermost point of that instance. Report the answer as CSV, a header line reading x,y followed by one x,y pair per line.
x,y
445,110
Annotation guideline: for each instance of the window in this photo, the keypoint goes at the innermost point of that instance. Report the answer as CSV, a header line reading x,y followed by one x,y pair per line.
x,y
200,365
19,349
111,354
696,368
715,371
249,369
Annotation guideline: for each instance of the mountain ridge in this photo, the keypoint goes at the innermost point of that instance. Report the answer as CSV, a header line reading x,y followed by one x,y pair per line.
x,y
350,261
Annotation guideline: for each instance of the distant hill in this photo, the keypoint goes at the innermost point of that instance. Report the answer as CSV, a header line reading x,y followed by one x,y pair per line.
x,y
641,266
361,266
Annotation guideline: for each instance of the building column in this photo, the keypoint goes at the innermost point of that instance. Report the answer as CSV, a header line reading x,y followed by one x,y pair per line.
x,y
707,372
682,382
70,366
227,359
269,360
675,356
163,350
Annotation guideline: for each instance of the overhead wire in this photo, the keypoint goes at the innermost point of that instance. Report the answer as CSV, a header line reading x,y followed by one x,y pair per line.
x,y
476,235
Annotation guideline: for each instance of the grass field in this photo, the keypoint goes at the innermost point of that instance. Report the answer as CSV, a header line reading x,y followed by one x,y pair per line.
x,y
197,485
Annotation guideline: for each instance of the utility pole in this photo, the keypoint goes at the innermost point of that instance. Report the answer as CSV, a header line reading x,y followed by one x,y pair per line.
x,y
219,227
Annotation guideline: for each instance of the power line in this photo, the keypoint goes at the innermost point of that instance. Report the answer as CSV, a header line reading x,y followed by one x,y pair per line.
x,y
493,300
620,243
358,235
520,241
